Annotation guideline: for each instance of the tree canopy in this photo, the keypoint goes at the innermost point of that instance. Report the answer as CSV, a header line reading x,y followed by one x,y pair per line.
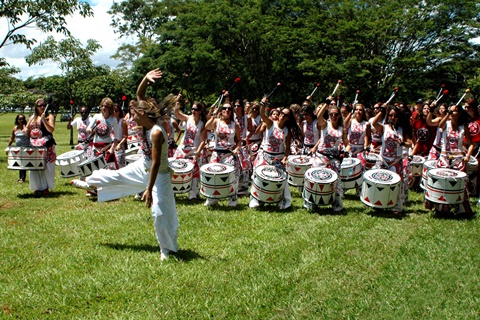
x,y
372,46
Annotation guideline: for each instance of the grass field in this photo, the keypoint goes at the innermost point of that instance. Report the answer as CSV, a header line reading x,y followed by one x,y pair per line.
x,y
65,256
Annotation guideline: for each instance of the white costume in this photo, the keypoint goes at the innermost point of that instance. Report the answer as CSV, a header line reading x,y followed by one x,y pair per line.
x,y
133,179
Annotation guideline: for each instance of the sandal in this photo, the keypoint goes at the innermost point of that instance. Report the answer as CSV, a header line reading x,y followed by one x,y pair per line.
x,y
21,181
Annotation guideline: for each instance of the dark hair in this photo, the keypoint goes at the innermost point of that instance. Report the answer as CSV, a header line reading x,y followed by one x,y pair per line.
x,y
474,104
309,110
120,111
24,122
364,116
292,125
203,113
403,121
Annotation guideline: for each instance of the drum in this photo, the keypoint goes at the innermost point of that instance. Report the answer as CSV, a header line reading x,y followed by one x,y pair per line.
x,y
370,161
427,165
319,186
471,166
68,163
26,158
446,186
133,145
296,168
182,174
88,166
380,188
417,166
217,180
268,184
351,173
133,157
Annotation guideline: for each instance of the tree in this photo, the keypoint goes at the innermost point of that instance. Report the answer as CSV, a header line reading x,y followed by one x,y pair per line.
x,y
47,15
371,46
13,93
73,60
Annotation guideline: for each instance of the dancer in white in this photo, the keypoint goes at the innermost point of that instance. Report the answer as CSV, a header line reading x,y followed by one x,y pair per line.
x,y
150,173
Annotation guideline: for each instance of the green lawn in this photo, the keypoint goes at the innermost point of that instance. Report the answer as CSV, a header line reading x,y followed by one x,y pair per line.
x,y
65,256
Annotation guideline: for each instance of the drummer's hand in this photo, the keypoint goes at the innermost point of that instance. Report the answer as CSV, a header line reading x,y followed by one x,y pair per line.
x,y
118,148
235,151
466,158
147,197
284,161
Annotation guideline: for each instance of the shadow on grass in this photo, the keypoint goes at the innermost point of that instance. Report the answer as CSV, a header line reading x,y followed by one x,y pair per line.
x,y
453,216
52,194
386,213
182,255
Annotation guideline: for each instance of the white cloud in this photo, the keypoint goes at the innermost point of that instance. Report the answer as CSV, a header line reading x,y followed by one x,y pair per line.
x,y
97,27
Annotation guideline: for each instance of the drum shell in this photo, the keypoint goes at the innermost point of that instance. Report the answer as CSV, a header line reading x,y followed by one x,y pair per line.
x,y
417,166
69,162
446,186
296,168
87,167
370,162
351,173
217,180
26,158
268,184
427,166
182,175
380,188
319,186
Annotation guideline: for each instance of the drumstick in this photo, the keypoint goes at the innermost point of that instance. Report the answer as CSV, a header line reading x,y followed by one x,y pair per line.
x,y
278,84
315,89
336,87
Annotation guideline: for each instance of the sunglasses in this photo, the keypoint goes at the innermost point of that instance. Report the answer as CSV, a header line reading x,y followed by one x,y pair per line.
x,y
227,109
195,109
238,106
42,105
286,114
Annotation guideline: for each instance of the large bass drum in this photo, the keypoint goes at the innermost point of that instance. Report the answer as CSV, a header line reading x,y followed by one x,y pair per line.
x,y
446,186
268,184
69,162
182,175
26,158
296,168
380,188
217,180
351,173
319,186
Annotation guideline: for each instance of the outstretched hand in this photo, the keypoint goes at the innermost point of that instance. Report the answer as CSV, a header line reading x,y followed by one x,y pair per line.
x,y
153,74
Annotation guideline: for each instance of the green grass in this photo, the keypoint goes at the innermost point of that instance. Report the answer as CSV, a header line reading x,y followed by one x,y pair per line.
x,y
65,256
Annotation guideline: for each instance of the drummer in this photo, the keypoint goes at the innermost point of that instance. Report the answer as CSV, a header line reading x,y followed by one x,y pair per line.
x,y
82,124
135,132
376,136
192,145
439,113
21,140
244,123
471,107
226,145
254,139
395,134
310,129
358,133
328,152
275,147
102,128
40,127
454,136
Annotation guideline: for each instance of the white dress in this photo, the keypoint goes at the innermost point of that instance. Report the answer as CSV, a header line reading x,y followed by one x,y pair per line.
x,y
133,179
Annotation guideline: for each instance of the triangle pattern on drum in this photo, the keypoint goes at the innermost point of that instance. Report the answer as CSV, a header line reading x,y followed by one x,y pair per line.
x,y
265,184
29,165
434,180
453,182
15,164
224,179
380,189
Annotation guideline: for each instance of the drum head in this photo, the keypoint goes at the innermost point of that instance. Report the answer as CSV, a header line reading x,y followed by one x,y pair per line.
x,y
446,173
321,175
382,176
417,159
270,173
70,154
430,164
300,160
215,168
350,162
180,165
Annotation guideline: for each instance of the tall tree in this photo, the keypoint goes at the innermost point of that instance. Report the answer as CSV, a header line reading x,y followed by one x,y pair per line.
x,y
47,15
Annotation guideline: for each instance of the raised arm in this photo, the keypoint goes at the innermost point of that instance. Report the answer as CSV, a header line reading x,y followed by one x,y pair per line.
x,y
322,123
376,122
266,120
149,77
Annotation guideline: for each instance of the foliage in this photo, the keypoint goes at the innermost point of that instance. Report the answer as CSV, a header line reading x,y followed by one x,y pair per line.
x,y
47,15
13,93
371,46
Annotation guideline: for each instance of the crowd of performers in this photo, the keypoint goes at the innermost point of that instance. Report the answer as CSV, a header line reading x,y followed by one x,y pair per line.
x,y
246,135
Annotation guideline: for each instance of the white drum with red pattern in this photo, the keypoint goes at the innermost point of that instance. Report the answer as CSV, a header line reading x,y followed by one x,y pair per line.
x,y
427,166
296,168
446,186
417,166
182,175
471,166
319,186
88,166
380,188
268,184
351,173
26,158
217,180
69,162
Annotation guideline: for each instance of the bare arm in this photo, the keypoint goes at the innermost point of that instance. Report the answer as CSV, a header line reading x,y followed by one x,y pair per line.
x,y
321,111
157,143
149,77
378,127
266,120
